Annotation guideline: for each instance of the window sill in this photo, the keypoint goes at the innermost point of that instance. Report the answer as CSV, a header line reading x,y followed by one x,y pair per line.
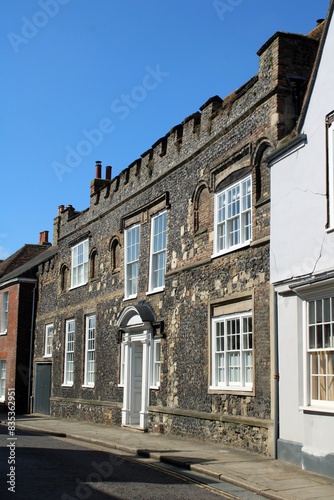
x,y
67,385
317,409
3,333
78,286
130,297
155,290
230,390
2,400
230,250
47,356
86,386
155,387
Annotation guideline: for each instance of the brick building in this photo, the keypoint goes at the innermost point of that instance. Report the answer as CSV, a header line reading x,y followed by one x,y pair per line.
x,y
157,302
18,287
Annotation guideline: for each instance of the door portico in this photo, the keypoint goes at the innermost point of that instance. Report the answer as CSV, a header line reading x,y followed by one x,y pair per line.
x,y
135,326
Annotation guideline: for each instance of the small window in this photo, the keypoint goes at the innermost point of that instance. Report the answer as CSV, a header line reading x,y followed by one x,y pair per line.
x,y
232,352
158,251
2,380
64,278
115,251
132,236
48,340
90,351
320,351
156,364
4,312
93,264
69,353
79,269
233,216
202,212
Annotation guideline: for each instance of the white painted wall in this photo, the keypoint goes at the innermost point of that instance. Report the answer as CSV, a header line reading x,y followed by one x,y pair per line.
x,y
301,246
299,241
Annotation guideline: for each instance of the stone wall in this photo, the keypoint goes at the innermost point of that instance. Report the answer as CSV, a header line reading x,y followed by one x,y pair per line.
x,y
181,173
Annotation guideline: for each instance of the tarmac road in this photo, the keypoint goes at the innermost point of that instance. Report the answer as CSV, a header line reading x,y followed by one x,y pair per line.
x,y
44,467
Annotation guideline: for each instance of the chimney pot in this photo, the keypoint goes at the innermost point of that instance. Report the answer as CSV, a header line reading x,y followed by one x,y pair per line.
x,y
98,168
108,173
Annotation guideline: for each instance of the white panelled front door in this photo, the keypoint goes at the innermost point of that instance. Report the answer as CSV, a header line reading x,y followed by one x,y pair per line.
x,y
136,378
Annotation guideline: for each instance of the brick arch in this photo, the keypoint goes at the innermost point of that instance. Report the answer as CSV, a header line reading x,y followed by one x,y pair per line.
x,y
64,276
115,251
92,263
262,177
202,208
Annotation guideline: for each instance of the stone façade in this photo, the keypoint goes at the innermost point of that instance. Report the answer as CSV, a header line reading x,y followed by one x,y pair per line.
x,y
180,173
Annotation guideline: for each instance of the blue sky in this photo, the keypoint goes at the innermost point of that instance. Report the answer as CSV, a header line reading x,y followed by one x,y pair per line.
x,y
87,80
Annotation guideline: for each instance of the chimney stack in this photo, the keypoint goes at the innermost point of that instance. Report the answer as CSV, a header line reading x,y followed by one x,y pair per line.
x,y
44,238
108,173
98,169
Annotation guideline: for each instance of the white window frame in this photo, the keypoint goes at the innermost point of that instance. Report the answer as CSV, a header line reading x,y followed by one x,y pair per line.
x,y
131,260
155,364
330,168
4,313
233,217
89,378
222,368
319,327
2,380
158,252
79,264
69,353
48,340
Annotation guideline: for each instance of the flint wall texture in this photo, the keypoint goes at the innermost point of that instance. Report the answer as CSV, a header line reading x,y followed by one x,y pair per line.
x,y
181,173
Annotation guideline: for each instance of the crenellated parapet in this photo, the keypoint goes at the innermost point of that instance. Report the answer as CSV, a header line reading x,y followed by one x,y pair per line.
x,y
285,64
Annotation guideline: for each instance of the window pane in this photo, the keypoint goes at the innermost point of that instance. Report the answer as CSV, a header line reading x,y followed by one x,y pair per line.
x,y
232,345
319,336
132,257
158,251
220,369
233,215
327,312
312,337
234,367
311,312
319,311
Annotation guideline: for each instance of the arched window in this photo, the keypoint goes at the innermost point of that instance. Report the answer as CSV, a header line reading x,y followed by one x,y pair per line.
x,y
93,263
115,251
64,277
202,208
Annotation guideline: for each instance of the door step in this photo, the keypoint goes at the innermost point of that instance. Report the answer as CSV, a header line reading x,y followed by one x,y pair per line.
x,y
134,428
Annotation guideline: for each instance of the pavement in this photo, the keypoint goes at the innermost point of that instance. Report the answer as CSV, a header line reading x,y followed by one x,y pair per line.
x,y
240,469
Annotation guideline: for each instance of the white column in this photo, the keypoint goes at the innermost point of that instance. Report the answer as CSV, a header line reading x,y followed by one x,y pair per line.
x,y
126,391
143,418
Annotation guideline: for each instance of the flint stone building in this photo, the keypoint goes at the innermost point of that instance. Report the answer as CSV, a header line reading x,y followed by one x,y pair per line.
x,y
157,302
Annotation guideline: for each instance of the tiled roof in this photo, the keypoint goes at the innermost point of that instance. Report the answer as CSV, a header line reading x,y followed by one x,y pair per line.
x,y
17,259
29,268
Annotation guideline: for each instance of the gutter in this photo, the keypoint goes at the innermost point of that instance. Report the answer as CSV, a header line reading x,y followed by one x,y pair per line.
x,y
298,142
